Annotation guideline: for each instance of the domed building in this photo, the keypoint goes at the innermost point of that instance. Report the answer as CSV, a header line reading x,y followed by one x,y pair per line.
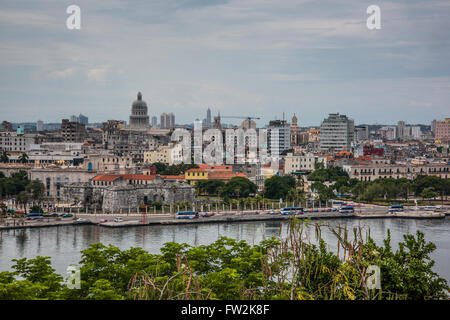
x,y
139,118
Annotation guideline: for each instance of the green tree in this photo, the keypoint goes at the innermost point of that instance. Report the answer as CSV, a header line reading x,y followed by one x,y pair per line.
x,y
23,158
277,187
23,198
244,186
4,158
429,193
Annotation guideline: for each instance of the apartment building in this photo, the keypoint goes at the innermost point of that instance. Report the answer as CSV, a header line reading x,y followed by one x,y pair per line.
x,y
297,163
72,131
373,171
10,141
169,154
336,133
443,130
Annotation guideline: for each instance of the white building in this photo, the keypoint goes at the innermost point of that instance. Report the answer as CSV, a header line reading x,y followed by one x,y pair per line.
x,y
336,133
295,163
278,137
10,141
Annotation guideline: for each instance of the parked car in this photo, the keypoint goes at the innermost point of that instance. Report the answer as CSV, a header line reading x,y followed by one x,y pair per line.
x,y
118,219
81,220
103,220
67,215
49,215
206,214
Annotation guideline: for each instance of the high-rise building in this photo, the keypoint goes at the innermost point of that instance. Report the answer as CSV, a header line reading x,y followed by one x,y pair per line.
x,y
336,133
139,118
279,137
433,127
39,125
167,121
443,130
208,118
361,133
171,121
154,122
414,132
83,119
388,132
74,118
163,121
401,129
72,131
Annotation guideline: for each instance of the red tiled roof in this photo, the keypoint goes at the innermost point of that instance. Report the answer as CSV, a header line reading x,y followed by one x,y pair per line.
x,y
209,168
107,177
214,167
114,177
139,177
225,175
172,177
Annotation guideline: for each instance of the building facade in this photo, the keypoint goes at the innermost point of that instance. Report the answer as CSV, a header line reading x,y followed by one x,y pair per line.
x,y
373,171
123,193
72,131
11,142
279,137
336,133
303,163
443,130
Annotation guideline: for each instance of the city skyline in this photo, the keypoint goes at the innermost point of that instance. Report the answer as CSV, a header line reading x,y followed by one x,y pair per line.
x,y
304,58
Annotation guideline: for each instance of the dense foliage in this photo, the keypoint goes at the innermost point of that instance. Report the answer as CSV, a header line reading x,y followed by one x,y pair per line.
x,y
12,186
175,169
291,268
330,174
238,187
209,187
278,187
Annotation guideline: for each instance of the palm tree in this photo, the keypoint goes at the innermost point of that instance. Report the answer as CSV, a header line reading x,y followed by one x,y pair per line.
x,y
4,157
23,158
23,198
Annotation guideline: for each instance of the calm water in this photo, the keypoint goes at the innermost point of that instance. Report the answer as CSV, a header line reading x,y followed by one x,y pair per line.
x,y
63,244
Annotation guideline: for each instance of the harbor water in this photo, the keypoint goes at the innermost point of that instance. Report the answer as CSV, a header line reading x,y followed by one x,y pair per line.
x,y
64,243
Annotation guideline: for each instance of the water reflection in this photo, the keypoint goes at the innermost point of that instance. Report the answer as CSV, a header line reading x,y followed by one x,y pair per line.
x,y
64,243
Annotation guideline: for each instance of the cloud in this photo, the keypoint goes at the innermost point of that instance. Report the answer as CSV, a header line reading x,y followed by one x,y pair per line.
x,y
416,103
62,74
98,75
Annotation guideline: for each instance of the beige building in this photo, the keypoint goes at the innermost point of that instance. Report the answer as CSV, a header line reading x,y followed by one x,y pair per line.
x,y
443,130
372,171
109,163
307,162
313,135
169,154
54,177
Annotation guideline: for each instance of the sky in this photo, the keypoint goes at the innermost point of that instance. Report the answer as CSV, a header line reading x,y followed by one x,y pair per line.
x,y
258,58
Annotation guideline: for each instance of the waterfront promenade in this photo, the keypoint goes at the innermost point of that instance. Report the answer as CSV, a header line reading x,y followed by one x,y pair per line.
x,y
135,219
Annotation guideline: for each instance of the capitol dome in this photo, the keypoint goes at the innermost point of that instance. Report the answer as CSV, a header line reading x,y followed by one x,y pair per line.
x,y
139,114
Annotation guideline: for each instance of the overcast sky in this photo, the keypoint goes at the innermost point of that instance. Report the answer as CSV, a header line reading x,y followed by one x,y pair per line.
x,y
240,57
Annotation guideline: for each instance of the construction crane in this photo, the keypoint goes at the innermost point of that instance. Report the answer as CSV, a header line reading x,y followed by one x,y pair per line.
x,y
248,118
